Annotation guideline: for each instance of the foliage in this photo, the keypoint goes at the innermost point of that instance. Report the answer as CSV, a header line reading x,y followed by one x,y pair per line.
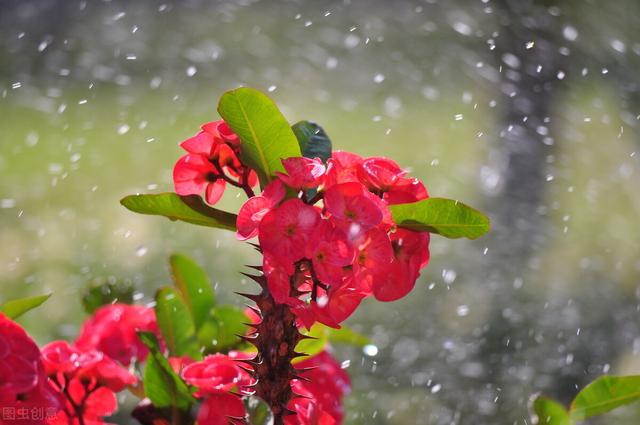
x,y
602,395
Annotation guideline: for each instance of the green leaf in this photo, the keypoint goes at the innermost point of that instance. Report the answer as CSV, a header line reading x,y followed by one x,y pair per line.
x,y
161,384
176,324
16,308
195,287
102,292
219,332
313,140
605,394
258,411
345,335
550,412
265,133
446,217
315,345
323,335
191,209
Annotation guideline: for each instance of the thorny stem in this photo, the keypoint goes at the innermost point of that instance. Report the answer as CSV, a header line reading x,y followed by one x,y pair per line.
x,y
275,337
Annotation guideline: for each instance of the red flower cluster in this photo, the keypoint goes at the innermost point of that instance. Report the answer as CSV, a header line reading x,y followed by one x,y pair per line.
x,y
211,163
90,372
88,380
112,330
26,395
323,260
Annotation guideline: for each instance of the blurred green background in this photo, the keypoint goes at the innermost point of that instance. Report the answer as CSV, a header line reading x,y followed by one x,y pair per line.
x,y
527,110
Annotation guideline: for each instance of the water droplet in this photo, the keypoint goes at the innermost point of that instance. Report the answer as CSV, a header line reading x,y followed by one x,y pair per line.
x,y
570,33
462,310
123,129
370,350
378,78
436,388
141,251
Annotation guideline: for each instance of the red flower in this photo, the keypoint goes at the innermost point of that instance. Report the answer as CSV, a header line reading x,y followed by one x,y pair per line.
x,y
329,252
61,360
342,167
210,163
380,174
302,173
24,386
339,303
194,174
284,231
96,402
88,380
411,253
252,211
19,358
322,389
216,374
112,330
351,206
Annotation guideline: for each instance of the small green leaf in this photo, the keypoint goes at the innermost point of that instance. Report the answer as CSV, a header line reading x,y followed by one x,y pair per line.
x,y
161,384
176,324
190,209
265,133
194,286
446,217
323,335
313,140
550,412
258,411
348,336
106,291
605,394
16,308
219,332
315,345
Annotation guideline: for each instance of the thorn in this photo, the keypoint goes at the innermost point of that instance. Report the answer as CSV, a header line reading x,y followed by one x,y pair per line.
x,y
295,355
246,369
255,246
260,280
258,268
300,378
287,412
303,336
296,395
255,310
306,369
249,339
252,297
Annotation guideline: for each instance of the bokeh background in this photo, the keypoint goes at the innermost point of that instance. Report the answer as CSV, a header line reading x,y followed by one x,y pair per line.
x,y
529,110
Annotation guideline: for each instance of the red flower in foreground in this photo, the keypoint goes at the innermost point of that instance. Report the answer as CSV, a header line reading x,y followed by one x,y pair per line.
x,y
285,230
112,330
216,374
88,380
219,381
24,387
